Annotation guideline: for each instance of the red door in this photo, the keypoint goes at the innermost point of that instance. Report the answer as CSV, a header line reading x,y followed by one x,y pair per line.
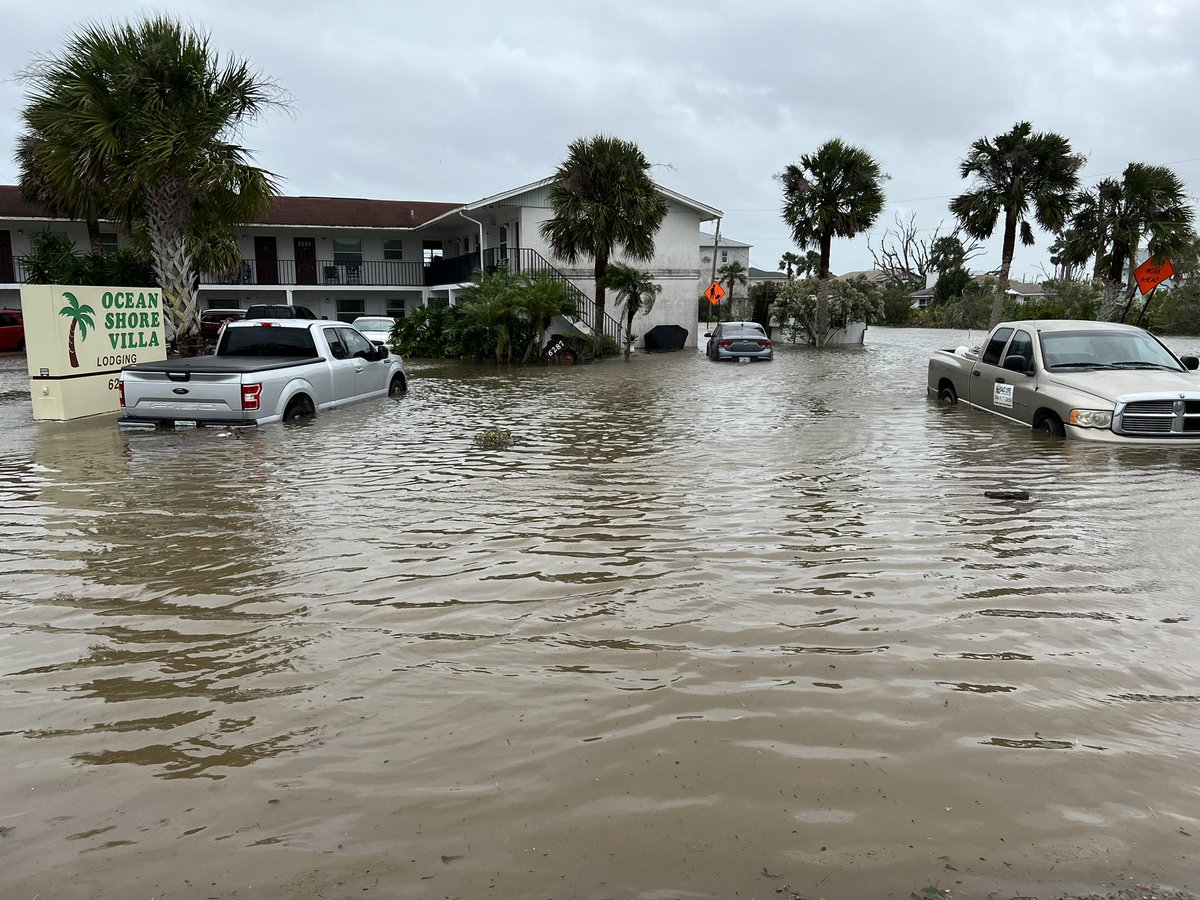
x,y
266,260
7,276
306,260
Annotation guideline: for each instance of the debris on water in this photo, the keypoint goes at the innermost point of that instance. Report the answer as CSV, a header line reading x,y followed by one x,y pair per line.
x,y
5,830
446,860
931,892
1007,495
494,439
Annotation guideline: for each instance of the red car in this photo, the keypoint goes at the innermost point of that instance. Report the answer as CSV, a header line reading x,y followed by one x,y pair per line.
x,y
211,320
12,330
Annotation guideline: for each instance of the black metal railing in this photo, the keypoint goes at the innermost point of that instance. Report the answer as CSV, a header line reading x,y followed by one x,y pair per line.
x,y
320,271
530,262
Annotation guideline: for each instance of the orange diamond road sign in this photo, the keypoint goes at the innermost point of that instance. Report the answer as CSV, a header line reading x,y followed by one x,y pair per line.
x,y
1152,273
714,292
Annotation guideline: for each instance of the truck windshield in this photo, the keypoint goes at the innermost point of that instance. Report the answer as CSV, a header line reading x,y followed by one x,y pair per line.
x,y
261,340
1105,350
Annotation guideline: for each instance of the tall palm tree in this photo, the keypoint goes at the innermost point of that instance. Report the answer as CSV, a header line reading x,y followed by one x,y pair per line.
x,y
150,110
603,200
732,274
80,315
635,292
62,179
835,192
1016,174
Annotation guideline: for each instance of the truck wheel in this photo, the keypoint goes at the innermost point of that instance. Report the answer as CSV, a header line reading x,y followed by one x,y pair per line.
x,y
398,387
1049,423
297,409
947,394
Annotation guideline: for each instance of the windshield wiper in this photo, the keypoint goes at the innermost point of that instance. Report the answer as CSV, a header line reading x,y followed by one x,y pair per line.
x,y
1081,365
1141,364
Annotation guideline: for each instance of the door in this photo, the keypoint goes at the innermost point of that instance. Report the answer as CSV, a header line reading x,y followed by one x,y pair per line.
x,y
7,276
369,373
991,383
306,260
1024,393
342,367
266,260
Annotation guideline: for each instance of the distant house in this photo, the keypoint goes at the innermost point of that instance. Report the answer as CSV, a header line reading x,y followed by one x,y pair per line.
x,y
875,276
1021,291
758,276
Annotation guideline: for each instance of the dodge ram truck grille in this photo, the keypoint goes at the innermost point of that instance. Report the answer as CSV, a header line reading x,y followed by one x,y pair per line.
x,y
1153,418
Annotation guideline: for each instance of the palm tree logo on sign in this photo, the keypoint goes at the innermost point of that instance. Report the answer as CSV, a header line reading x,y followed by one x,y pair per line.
x,y
80,315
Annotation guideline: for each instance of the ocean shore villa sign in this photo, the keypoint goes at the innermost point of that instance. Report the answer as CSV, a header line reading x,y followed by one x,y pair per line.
x,y
77,339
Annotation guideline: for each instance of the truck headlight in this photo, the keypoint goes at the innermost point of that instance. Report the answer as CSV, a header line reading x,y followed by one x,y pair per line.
x,y
1091,418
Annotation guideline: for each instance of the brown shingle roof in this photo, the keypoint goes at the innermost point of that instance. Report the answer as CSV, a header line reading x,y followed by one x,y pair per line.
x,y
329,212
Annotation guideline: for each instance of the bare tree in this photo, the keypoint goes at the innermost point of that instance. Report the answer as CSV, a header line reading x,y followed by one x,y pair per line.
x,y
905,257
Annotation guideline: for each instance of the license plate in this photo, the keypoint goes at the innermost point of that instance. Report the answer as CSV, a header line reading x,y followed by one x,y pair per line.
x,y
743,359
185,423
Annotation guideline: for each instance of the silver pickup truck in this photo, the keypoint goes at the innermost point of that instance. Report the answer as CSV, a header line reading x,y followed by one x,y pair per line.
x,y
263,371
1095,381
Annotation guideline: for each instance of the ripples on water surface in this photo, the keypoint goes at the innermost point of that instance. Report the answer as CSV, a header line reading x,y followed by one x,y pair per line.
x,y
701,627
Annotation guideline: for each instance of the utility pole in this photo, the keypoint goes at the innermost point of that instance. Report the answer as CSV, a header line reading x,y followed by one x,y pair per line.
x,y
716,244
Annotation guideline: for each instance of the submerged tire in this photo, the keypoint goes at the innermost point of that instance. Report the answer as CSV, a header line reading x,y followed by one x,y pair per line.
x,y
398,387
1050,424
947,394
299,408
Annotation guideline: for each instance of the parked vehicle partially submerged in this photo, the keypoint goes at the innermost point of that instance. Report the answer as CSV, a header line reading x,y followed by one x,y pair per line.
x,y
263,371
1094,381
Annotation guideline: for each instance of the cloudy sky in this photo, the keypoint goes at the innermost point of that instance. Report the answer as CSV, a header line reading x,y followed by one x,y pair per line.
x,y
461,99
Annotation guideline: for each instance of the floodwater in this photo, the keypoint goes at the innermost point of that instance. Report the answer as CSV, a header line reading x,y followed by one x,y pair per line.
x,y
704,631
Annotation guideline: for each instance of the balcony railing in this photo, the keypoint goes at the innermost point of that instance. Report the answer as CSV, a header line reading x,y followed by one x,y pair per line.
x,y
287,272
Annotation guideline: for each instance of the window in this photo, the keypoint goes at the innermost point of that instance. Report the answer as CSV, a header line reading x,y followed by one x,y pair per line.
x,y
347,250
349,310
395,309
1022,345
724,256
108,242
355,342
431,250
995,346
393,250
336,348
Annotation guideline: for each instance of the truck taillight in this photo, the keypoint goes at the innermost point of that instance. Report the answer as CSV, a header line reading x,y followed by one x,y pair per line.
x,y
121,390
251,393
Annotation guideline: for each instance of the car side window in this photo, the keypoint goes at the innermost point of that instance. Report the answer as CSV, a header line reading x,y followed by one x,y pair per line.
x,y
995,346
355,342
336,348
6,319
1022,346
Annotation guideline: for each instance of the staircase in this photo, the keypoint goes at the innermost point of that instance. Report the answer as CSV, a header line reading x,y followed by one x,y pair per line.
x,y
530,262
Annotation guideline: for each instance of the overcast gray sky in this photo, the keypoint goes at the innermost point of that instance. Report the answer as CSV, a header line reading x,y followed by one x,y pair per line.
x,y
455,101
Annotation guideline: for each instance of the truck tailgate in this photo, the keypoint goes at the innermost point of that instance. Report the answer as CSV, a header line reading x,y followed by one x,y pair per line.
x,y
183,396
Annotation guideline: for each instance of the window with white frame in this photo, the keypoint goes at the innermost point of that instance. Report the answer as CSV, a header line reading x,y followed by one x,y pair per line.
x,y
724,256
108,241
393,250
350,309
347,250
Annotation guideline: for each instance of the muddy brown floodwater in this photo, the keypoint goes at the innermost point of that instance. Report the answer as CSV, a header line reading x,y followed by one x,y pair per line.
x,y
704,631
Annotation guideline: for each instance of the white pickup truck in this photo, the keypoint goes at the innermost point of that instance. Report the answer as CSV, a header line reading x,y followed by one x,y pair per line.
x,y
1093,381
263,371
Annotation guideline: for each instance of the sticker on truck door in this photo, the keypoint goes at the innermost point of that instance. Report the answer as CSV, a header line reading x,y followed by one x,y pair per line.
x,y
1003,396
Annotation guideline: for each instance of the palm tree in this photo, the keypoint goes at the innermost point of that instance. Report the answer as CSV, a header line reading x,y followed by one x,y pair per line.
x,y
603,200
635,292
789,263
835,192
539,298
63,180
80,315
143,116
732,274
491,303
1015,172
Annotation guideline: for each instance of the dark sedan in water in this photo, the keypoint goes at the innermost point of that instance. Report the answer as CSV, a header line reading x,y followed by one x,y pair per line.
x,y
737,341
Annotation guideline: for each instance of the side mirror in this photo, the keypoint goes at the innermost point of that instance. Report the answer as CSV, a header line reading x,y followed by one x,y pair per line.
x,y
708,334
382,351
1016,364
1191,363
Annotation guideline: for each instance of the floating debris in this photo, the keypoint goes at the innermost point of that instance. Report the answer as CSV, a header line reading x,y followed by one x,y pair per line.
x,y
494,439
1007,495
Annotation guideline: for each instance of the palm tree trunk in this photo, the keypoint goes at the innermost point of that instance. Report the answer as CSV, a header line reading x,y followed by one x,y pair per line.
x,y
599,270
166,220
822,334
71,345
94,239
1006,258
1112,284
